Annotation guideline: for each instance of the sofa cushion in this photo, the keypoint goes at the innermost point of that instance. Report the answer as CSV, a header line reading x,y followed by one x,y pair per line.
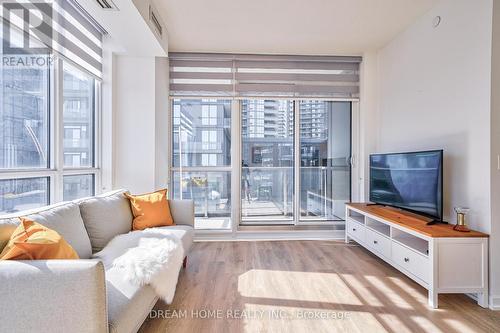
x,y
128,304
33,241
184,233
150,210
64,218
182,211
7,227
106,216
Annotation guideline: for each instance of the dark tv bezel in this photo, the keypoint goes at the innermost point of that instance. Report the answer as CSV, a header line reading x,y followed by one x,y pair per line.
x,y
441,152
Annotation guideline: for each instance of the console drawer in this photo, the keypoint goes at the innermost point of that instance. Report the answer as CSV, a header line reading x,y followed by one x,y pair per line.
x,y
411,261
378,243
356,230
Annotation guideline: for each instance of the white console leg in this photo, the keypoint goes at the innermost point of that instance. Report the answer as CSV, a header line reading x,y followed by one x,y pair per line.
x,y
346,238
482,300
433,299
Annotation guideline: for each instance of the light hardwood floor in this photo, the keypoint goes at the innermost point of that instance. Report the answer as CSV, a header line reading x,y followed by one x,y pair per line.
x,y
306,286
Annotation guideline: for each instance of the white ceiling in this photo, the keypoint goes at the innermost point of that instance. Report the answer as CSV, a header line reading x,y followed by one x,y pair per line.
x,y
320,27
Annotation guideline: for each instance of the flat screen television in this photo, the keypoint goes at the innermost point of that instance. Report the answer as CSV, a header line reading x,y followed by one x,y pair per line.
x,y
411,181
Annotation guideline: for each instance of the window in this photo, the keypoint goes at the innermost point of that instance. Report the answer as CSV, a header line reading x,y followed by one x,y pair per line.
x,y
28,137
291,137
267,170
325,148
78,186
202,159
211,193
22,194
48,107
209,139
209,114
78,117
24,117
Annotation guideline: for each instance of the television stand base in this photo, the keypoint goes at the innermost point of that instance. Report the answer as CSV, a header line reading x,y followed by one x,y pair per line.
x,y
434,256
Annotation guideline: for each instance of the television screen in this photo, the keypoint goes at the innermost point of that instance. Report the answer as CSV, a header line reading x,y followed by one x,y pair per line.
x,y
411,181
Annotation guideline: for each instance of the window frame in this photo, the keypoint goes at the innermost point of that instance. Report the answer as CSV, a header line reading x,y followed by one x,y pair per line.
x,y
180,169
55,170
299,219
256,221
356,181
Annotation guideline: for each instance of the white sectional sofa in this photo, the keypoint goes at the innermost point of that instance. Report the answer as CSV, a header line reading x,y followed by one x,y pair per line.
x,y
80,295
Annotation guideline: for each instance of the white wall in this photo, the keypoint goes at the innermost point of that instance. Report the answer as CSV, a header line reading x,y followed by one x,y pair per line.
x,y
162,123
434,92
134,114
109,48
140,123
495,153
143,8
368,118
130,27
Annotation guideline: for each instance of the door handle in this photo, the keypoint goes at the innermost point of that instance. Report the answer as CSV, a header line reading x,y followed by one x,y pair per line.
x,y
350,161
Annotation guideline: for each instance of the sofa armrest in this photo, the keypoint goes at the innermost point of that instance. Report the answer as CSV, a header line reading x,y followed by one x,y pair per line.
x,y
53,296
182,211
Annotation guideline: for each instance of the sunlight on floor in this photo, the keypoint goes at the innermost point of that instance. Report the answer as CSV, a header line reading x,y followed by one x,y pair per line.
x,y
419,295
393,323
303,319
269,289
459,326
392,294
362,289
426,325
297,286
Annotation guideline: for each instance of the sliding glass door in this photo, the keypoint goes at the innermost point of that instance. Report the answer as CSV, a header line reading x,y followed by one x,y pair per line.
x,y
325,151
295,160
202,159
267,169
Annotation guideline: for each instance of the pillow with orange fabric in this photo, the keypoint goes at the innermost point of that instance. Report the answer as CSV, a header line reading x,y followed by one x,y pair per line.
x,y
150,210
33,241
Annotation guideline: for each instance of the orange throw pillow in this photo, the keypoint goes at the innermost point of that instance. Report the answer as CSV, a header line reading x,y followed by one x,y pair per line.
x,y
150,210
33,241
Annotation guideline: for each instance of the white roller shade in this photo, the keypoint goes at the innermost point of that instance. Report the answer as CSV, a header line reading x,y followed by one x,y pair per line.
x,y
260,75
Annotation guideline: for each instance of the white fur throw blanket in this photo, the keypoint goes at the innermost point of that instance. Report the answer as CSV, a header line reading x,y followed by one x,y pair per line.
x,y
150,256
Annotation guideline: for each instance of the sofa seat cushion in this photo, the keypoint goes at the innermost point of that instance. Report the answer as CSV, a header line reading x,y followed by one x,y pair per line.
x,y
184,232
64,218
128,304
106,216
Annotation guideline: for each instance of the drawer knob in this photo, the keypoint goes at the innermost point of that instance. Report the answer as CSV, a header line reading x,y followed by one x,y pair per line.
x,y
407,259
353,229
375,242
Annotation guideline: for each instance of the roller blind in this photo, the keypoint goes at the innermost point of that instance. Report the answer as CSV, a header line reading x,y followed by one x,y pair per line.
x,y
260,75
66,29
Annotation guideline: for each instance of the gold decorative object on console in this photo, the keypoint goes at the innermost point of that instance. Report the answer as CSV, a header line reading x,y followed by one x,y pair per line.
x,y
461,225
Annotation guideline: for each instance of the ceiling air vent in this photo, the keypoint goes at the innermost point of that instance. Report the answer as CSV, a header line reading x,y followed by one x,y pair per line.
x,y
154,20
107,4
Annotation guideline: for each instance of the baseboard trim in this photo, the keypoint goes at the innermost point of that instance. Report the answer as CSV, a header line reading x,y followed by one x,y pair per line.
x,y
495,303
473,296
270,236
